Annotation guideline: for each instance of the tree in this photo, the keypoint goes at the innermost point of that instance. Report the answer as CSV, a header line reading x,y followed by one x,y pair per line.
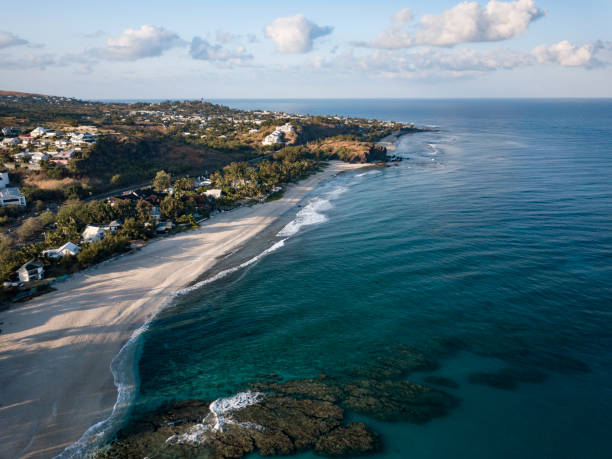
x,y
183,184
172,207
143,209
133,229
161,181
73,217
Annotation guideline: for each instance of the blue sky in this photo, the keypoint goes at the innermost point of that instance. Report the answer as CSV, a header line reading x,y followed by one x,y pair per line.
x,y
211,49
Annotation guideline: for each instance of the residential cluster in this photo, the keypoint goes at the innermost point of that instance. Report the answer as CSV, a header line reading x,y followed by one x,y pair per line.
x,y
41,144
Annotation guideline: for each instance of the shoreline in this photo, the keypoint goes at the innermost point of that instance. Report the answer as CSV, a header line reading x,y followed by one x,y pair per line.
x,y
57,350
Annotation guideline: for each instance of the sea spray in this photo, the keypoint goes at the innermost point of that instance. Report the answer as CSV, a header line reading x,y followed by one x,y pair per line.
x,y
220,416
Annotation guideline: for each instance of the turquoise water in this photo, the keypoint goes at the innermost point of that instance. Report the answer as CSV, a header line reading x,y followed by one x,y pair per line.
x,y
488,247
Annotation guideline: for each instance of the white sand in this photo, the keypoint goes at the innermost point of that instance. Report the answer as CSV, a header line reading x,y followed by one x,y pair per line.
x,y
55,350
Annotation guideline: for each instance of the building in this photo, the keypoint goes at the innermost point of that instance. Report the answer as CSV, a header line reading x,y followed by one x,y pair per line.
x,y
62,157
10,142
201,181
31,271
93,233
4,180
164,227
286,128
10,131
272,139
67,249
37,157
113,226
214,193
84,137
278,135
156,213
39,131
12,197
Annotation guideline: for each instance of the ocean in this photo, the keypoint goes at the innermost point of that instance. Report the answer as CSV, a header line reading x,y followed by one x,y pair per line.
x,y
487,250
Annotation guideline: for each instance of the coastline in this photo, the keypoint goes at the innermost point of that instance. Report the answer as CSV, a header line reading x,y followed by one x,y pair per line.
x,y
56,351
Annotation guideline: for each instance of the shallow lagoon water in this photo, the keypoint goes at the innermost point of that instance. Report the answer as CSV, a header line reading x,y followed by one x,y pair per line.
x,y
489,246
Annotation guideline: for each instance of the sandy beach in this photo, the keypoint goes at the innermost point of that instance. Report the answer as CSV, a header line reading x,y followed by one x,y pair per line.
x,y
56,350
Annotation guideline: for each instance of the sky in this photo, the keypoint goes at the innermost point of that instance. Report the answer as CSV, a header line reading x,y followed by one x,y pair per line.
x,y
316,49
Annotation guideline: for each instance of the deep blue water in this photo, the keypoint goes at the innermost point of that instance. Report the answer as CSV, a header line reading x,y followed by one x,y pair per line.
x,y
493,235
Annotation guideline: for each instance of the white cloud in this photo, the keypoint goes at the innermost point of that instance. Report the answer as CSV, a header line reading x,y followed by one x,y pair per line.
x,y
467,22
203,50
133,44
27,61
96,34
395,36
295,34
226,37
8,39
568,55
433,63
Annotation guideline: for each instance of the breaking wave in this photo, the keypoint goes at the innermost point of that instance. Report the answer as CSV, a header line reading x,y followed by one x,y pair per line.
x,y
312,213
220,275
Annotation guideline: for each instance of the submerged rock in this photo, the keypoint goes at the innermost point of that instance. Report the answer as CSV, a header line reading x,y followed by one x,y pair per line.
x,y
397,400
351,440
321,388
441,381
495,380
396,362
280,418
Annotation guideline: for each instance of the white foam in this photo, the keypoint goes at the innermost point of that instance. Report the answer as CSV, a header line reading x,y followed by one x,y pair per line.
x,y
363,174
222,407
222,274
433,148
312,213
220,416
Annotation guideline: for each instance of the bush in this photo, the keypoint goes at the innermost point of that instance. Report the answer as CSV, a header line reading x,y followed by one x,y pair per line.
x,y
96,252
28,228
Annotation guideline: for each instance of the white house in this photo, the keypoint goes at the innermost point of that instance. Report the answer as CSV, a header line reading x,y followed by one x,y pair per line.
x,y
274,138
113,226
67,249
93,233
84,137
12,196
37,157
214,193
286,128
278,135
201,181
39,131
4,180
32,270
9,142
